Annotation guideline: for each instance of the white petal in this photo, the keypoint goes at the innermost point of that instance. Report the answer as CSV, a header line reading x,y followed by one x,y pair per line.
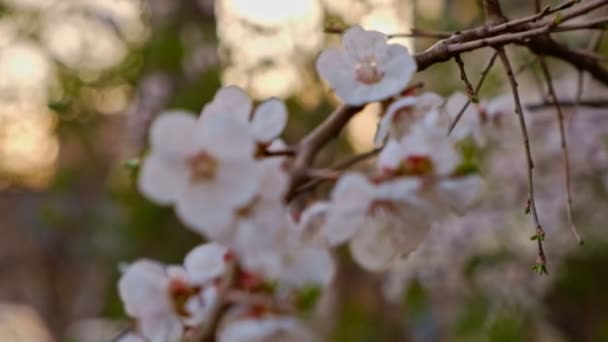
x,y
161,328
131,337
338,68
209,206
230,100
173,134
389,237
162,179
398,67
311,224
226,138
388,120
391,156
274,181
460,193
309,266
398,190
265,330
206,262
269,120
363,44
350,200
353,185
142,288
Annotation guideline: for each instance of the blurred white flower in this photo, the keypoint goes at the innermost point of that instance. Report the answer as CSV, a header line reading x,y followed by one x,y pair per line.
x,y
424,151
206,262
144,290
265,329
165,299
367,69
403,113
207,170
267,122
383,222
131,337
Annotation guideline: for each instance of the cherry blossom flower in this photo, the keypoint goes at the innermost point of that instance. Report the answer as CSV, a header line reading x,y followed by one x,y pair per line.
x,y
383,222
165,299
403,113
267,121
144,289
367,68
267,328
207,171
131,337
428,152
424,151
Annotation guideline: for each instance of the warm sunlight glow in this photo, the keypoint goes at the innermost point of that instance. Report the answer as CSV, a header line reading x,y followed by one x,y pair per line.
x,y
360,130
22,323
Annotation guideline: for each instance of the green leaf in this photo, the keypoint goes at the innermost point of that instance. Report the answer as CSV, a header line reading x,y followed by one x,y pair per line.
x,y
307,298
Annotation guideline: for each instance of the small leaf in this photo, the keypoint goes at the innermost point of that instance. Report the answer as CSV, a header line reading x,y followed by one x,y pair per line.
x,y
541,269
132,164
307,298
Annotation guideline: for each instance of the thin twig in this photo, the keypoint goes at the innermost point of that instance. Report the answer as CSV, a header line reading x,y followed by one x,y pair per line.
x,y
540,233
564,146
311,144
339,167
464,78
590,103
477,88
413,33
286,152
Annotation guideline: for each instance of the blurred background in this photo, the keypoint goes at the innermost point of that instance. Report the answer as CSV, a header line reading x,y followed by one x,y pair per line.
x,y
80,81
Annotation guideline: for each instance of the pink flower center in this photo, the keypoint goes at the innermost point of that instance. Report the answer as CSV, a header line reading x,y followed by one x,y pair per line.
x,y
180,292
367,71
202,166
417,165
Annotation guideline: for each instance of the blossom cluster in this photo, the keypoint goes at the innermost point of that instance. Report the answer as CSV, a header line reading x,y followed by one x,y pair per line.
x,y
224,175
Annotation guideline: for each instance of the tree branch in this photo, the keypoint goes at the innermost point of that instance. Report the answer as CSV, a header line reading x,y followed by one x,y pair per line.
x,y
540,233
477,88
564,146
308,147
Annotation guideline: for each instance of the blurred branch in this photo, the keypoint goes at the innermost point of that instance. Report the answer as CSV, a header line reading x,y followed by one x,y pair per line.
x,y
484,73
530,31
463,77
563,144
592,103
311,144
413,33
540,233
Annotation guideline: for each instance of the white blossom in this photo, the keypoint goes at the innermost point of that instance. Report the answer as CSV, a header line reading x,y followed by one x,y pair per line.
x,y
266,123
143,289
206,262
403,113
206,170
424,151
384,222
165,299
366,69
265,329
